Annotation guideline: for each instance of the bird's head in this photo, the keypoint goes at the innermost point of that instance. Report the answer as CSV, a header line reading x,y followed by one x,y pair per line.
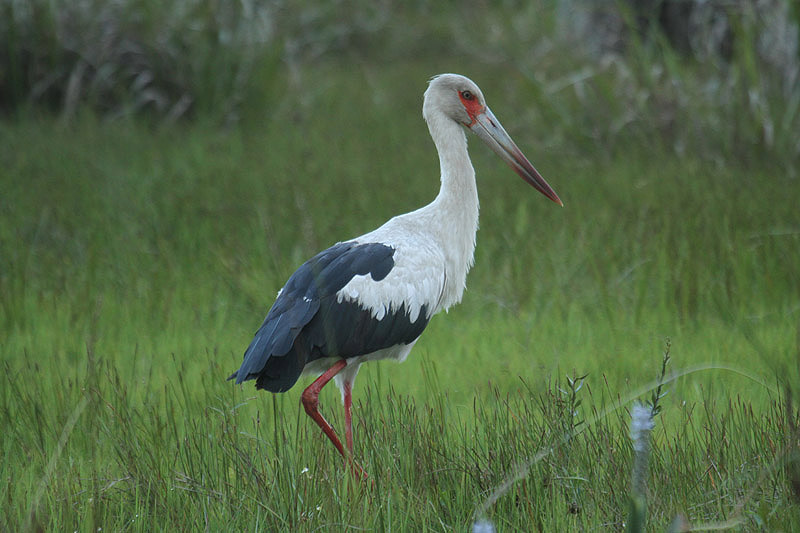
x,y
461,100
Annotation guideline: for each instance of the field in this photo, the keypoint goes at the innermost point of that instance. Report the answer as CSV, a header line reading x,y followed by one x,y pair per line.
x,y
138,256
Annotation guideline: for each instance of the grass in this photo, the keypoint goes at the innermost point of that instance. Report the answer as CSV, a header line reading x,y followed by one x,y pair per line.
x,y
137,257
140,260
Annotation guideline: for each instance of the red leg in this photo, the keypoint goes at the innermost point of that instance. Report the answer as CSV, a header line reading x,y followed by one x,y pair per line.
x,y
348,431
310,398
348,419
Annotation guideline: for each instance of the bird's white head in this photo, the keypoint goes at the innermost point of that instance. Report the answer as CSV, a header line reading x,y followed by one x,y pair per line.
x,y
461,100
458,97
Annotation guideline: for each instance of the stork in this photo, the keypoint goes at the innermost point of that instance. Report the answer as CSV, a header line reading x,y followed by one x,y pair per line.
x,y
371,297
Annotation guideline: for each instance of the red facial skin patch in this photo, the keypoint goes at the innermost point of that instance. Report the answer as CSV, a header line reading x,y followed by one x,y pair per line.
x,y
472,106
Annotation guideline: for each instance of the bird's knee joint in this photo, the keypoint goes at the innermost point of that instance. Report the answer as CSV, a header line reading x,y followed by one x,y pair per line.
x,y
310,401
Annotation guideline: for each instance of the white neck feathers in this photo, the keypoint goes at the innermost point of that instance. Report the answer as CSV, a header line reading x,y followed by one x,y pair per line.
x,y
455,209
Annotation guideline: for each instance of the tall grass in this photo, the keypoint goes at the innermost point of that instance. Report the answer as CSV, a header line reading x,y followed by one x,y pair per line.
x,y
140,260
139,255
209,457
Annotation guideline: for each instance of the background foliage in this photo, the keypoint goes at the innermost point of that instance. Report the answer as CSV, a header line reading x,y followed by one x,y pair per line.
x,y
620,70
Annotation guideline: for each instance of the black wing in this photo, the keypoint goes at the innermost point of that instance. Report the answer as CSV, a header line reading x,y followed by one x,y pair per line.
x,y
306,322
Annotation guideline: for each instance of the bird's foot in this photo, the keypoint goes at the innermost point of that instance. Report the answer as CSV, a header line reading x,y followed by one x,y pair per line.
x,y
356,469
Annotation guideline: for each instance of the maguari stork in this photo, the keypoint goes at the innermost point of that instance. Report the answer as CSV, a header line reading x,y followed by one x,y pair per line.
x,y
370,298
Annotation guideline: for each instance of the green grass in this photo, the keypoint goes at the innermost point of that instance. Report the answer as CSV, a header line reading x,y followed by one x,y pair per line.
x,y
137,261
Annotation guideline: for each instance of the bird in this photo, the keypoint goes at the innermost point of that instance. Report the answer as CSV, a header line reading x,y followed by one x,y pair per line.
x,y
370,298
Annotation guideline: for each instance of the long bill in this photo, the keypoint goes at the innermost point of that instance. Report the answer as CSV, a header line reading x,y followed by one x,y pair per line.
x,y
486,126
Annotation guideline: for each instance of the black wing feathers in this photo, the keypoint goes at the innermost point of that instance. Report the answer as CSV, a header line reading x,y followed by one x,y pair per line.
x,y
306,322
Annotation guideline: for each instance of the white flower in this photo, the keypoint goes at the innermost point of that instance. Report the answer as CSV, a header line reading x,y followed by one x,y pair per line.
x,y
641,425
483,526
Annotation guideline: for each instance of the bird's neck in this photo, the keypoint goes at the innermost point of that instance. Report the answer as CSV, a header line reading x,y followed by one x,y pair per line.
x,y
456,205
458,194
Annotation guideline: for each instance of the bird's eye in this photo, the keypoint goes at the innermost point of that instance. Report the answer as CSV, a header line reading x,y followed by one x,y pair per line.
x,y
467,95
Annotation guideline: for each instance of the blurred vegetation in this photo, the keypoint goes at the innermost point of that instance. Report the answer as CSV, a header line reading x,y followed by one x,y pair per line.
x,y
716,77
